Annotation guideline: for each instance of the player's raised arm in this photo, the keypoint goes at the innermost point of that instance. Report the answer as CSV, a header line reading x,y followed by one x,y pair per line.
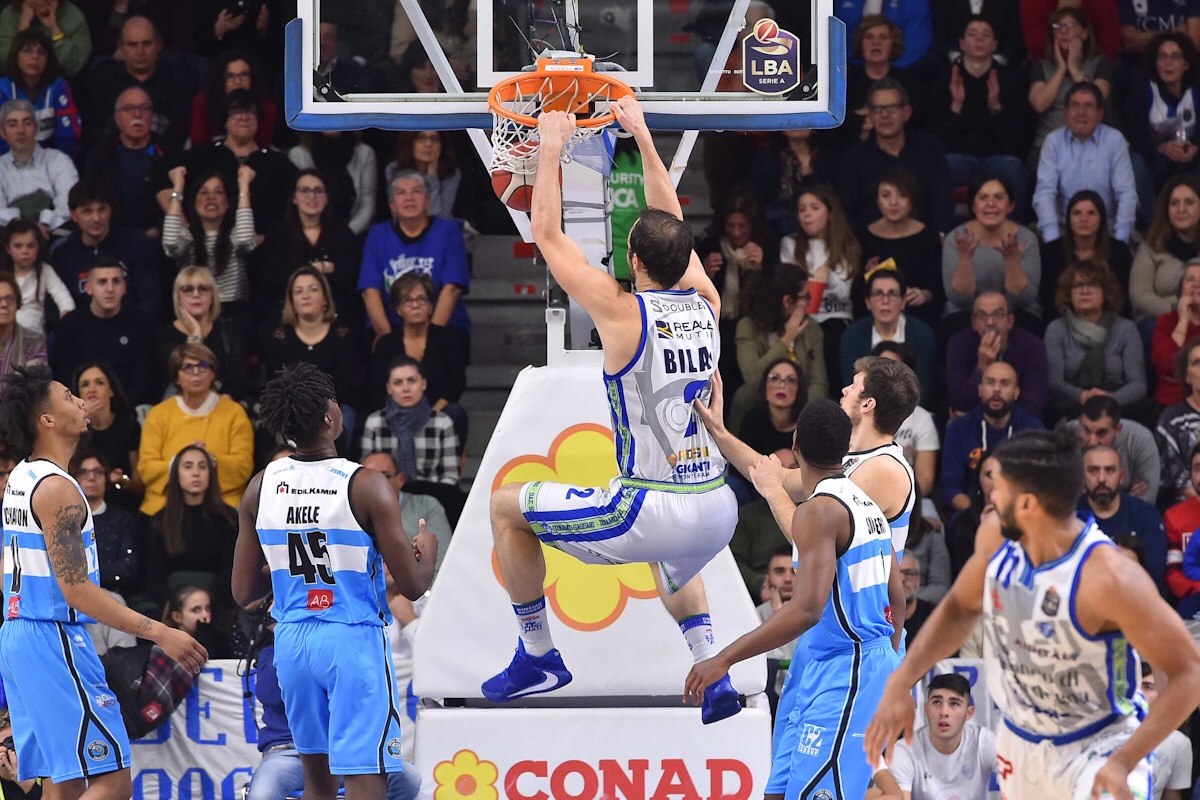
x,y
594,289
815,527
63,513
660,193
411,563
248,583
735,451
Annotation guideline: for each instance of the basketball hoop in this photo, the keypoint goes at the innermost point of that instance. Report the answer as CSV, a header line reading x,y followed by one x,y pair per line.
x,y
558,84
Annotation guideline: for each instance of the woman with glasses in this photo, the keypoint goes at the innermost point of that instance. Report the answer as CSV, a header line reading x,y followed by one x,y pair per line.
x,y
351,177
778,326
19,346
34,74
198,320
1092,351
113,431
885,290
197,415
914,247
1073,55
991,253
1160,116
233,69
441,351
1172,330
429,153
770,423
309,331
1085,237
312,234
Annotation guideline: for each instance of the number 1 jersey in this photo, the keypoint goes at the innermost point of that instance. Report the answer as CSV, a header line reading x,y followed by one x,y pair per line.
x,y
324,566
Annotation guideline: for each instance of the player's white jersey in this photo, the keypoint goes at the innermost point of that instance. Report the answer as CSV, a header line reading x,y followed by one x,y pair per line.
x,y
1053,680
30,589
659,436
324,566
898,523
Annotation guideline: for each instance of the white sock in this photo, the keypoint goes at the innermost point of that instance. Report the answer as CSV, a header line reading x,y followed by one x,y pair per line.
x,y
534,626
697,630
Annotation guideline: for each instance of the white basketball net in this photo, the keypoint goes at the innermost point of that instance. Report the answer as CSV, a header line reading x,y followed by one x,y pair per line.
x,y
515,146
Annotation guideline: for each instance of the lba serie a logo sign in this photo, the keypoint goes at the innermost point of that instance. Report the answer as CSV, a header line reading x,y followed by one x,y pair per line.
x,y
770,59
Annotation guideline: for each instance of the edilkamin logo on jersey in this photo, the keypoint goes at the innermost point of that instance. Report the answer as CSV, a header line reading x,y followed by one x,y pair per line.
x,y
810,740
282,489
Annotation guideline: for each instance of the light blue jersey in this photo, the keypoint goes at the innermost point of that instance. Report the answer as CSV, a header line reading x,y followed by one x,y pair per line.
x,y
858,609
30,589
324,566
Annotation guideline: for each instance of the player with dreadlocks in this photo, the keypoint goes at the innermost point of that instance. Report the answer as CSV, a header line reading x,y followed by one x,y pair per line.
x,y
326,526
51,588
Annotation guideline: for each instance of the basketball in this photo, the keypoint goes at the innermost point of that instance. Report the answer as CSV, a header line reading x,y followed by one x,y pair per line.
x,y
514,190
766,30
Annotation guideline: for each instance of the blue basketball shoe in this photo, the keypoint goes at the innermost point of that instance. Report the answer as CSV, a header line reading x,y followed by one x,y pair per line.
x,y
528,675
721,700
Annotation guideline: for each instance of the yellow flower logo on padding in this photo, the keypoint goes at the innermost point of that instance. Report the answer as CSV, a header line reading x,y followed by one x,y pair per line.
x,y
586,597
465,778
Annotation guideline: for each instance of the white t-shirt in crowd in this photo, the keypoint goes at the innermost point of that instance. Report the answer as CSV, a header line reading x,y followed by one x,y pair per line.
x,y
928,775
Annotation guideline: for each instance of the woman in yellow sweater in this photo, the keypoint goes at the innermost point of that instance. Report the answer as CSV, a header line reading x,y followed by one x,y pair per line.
x,y
195,416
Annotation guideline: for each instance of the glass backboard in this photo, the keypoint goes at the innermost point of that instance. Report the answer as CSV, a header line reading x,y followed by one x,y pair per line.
x,y
695,64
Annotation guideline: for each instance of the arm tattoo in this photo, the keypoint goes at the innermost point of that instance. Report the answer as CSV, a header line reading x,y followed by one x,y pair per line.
x,y
64,546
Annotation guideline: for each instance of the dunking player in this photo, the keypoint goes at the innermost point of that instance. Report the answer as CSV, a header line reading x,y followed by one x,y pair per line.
x,y
66,720
1059,638
842,548
323,523
881,396
669,505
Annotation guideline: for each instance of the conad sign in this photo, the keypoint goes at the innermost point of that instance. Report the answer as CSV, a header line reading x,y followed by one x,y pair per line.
x,y
591,754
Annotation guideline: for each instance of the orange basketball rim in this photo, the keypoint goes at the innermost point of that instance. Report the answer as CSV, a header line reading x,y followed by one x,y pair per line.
x,y
559,84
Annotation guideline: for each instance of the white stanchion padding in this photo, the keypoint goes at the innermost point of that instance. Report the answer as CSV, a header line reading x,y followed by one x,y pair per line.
x,y
592,754
208,748
614,633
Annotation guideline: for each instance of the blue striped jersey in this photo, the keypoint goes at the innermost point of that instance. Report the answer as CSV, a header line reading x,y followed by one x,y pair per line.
x,y
30,589
858,608
324,566
1053,680
659,436
900,522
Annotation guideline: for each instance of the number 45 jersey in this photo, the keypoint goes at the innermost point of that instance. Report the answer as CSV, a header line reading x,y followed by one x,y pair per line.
x,y
324,566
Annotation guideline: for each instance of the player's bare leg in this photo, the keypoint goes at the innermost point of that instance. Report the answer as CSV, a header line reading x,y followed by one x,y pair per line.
x,y
537,667
116,785
319,784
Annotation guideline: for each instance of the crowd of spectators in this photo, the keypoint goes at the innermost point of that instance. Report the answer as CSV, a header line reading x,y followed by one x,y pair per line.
x,y
1045,153
1012,208
167,244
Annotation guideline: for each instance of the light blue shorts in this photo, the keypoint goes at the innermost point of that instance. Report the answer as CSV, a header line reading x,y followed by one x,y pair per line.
x,y
66,720
340,694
